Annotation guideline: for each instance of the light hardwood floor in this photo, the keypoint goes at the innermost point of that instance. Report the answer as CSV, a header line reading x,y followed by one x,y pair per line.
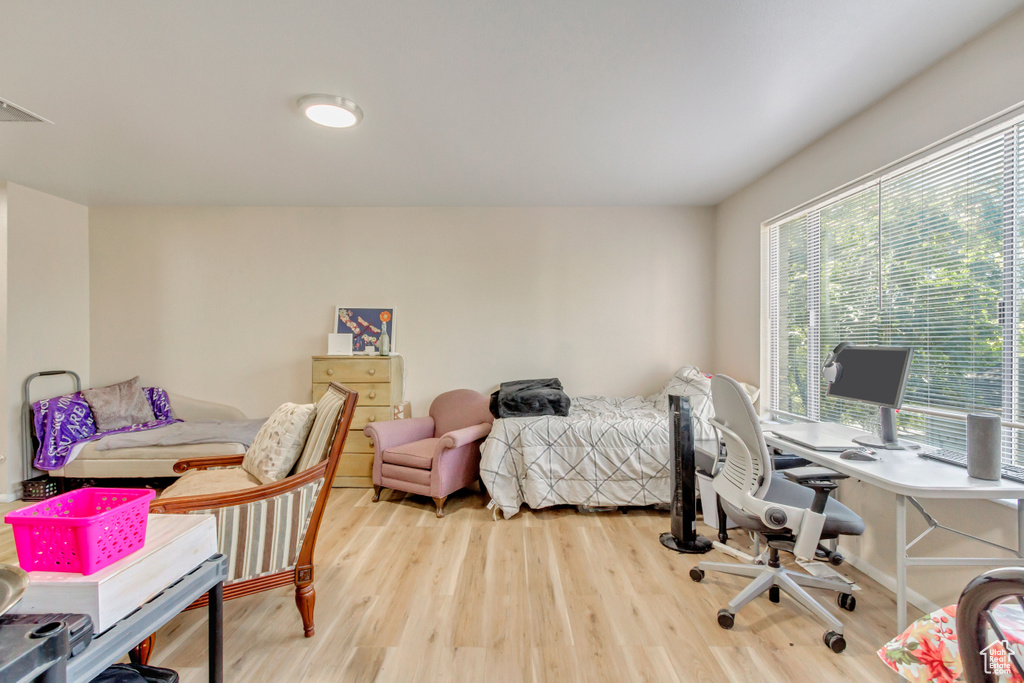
x,y
553,595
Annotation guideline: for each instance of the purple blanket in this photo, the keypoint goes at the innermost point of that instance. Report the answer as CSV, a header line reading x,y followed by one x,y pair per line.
x,y
64,421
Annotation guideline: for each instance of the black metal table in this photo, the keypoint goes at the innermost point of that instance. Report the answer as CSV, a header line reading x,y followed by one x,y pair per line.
x,y
108,647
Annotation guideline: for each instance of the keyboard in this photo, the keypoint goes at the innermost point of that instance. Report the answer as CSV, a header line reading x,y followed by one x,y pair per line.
x,y
1014,472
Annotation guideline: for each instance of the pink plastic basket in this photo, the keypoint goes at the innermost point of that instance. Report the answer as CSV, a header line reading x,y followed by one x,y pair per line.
x,y
80,531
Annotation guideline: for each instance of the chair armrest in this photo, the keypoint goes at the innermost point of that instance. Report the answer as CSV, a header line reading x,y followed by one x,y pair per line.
x,y
821,480
461,437
212,501
787,461
973,619
207,462
802,475
392,433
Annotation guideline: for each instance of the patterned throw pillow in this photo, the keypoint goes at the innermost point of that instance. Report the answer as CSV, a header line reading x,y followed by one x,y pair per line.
x,y
119,405
279,442
928,650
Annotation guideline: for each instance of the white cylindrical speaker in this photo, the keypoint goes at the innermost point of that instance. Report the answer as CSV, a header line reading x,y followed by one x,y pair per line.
x,y
983,447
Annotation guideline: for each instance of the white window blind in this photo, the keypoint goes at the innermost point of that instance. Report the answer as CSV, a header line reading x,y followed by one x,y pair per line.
x,y
926,256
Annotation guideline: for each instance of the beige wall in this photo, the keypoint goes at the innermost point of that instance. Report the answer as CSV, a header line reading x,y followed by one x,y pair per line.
x,y
228,304
978,80
47,315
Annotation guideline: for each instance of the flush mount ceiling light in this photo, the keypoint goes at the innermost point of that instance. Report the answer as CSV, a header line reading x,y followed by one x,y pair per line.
x,y
330,110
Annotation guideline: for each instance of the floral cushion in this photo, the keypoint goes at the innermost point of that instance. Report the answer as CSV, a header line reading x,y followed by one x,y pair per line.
x,y
928,651
279,442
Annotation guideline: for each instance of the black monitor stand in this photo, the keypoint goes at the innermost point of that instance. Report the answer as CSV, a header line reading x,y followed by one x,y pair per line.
x,y
683,537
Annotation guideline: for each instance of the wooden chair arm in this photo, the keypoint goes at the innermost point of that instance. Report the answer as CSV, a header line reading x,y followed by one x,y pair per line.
x,y
203,463
213,501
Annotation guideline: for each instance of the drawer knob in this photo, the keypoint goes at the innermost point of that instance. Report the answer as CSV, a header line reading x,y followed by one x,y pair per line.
x,y
372,371
373,394
330,371
373,418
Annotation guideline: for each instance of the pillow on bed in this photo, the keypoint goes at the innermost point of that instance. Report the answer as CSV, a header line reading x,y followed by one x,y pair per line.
x,y
119,405
690,381
278,444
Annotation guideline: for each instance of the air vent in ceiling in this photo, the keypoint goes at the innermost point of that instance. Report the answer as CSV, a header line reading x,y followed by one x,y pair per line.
x,y
11,112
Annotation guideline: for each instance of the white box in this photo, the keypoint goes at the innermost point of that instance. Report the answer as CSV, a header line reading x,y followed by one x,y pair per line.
x,y
709,503
175,545
339,345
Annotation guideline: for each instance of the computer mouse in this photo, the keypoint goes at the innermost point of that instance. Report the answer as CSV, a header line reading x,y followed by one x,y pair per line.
x,y
857,454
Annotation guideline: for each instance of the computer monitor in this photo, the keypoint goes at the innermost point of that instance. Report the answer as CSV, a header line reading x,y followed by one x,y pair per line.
x,y
872,374
875,375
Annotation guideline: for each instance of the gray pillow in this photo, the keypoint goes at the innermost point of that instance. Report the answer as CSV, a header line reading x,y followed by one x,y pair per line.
x,y
119,405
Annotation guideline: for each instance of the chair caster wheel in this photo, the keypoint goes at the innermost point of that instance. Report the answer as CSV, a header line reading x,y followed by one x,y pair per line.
x,y
835,559
726,619
723,538
774,594
847,601
834,641
697,574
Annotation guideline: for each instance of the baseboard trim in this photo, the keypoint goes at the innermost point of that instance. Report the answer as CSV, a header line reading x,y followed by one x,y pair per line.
x,y
889,582
9,497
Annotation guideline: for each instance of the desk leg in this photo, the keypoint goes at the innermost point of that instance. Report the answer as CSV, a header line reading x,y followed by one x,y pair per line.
x,y
215,628
901,563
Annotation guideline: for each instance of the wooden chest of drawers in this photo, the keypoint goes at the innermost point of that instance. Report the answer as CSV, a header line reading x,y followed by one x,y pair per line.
x,y
378,379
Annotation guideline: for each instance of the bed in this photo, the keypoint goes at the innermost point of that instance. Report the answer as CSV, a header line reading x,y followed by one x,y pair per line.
x,y
100,459
609,451
62,438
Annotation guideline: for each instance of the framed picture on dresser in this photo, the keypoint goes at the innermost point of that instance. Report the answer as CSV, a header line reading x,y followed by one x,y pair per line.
x,y
370,328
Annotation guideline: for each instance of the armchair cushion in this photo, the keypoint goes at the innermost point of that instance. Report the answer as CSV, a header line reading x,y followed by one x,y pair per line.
x,y
205,482
418,454
279,442
928,650
393,433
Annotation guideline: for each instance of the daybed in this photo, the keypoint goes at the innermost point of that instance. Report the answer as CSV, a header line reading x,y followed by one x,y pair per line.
x,y
153,461
607,451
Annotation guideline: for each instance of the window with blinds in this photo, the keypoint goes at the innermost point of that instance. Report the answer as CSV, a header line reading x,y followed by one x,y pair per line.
x,y
927,256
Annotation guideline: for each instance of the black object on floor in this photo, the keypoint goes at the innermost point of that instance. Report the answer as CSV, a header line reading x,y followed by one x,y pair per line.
x,y
683,537
136,673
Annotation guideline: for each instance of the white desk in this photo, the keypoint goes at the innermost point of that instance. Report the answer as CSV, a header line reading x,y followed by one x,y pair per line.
x,y
910,477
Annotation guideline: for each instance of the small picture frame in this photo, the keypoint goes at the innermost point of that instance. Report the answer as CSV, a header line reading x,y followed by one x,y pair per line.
x,y
367,326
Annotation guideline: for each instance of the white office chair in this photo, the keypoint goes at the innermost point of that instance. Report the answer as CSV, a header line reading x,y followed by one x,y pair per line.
x,y
790,511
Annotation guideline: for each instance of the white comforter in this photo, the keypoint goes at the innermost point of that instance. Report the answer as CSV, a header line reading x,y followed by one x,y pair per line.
x,y
608,451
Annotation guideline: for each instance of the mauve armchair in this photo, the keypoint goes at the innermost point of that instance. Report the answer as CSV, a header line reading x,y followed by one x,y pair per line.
x,y
432,456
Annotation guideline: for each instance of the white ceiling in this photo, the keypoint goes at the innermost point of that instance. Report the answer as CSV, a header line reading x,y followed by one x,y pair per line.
x,y
466,102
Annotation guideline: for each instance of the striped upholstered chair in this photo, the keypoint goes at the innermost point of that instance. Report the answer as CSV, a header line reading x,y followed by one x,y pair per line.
x,y
282,517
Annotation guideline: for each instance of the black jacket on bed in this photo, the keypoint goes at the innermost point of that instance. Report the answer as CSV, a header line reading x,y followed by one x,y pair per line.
x,y
529,397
